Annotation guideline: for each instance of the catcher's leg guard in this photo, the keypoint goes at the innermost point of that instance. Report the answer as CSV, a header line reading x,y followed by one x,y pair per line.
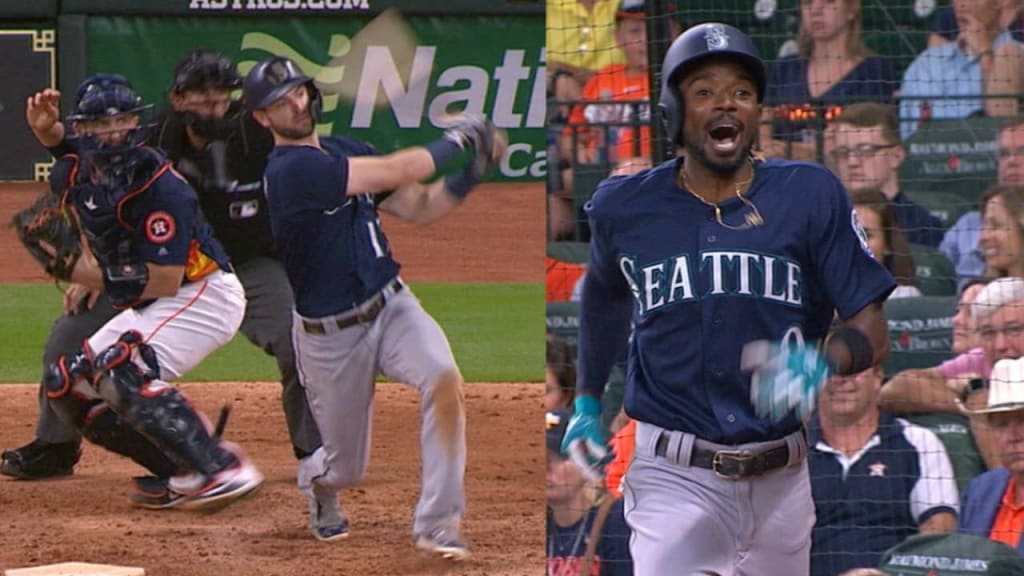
x,y
157,410
105,428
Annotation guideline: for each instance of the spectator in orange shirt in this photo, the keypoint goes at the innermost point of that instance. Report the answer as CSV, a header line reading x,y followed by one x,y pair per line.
x,y
622,444
620,130
993,505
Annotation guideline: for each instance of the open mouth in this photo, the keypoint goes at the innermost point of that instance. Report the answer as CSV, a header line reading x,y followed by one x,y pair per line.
x,y
725,137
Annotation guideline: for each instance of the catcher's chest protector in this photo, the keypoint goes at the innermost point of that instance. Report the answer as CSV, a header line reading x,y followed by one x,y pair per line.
x,y
105,214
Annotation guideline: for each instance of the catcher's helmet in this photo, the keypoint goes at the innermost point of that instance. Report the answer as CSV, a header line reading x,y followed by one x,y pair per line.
x,y
102,95
698,43
271,79
205,69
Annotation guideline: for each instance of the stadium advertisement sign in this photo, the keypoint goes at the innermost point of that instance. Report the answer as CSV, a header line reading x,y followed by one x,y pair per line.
x,y
480,64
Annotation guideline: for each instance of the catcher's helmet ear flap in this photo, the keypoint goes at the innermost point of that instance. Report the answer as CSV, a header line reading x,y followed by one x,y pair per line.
x,y
102,95
696,44
271,79
203,70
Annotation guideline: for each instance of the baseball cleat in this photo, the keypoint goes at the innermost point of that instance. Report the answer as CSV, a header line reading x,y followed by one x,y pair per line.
x,y
154,493
39,460
445,542
224,488
326,520
331,533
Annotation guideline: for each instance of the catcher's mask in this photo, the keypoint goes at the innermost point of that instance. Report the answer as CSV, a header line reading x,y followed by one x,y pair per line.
x,y
200,71
271,79
103,96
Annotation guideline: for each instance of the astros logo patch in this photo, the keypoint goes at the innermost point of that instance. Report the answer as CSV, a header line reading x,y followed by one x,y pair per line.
x,y
160,227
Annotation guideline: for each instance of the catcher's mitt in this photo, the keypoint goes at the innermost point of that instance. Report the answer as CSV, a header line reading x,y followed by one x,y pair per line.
x,y
48,221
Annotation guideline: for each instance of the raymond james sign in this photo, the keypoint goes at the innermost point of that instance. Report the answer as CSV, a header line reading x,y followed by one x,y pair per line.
x,y
295,5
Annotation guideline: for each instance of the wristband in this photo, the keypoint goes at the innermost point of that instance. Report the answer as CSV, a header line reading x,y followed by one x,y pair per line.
x,y
125,284
586,404
461,184
443,151
862,354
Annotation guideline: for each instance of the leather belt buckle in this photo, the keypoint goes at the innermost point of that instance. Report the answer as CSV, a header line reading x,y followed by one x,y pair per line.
x,y
734,465
313,327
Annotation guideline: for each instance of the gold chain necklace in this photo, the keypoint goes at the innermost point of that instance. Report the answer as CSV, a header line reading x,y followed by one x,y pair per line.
x,y
753,218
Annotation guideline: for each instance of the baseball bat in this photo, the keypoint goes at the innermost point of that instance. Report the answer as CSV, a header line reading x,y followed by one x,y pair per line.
x,y
607,500
387,35
222,421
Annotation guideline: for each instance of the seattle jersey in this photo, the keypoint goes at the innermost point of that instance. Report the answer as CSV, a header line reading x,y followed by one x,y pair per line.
x,y
332,245
700,291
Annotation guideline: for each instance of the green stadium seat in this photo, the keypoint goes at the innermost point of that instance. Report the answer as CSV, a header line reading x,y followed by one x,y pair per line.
x,y
563,319
952,156
948,207
936,275
920,331
571,252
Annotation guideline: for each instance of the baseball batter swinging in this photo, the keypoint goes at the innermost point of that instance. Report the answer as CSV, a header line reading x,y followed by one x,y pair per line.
x,y
354,317
711,255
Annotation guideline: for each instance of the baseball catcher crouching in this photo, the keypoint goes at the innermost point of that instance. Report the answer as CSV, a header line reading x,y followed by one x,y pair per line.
x,y
149,421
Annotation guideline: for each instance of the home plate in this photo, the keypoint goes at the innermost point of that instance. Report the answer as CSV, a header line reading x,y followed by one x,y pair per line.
x,y
77,569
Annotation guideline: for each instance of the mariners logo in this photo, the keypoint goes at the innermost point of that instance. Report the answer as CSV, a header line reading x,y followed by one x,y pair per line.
x,y
861,234
716,37
160,227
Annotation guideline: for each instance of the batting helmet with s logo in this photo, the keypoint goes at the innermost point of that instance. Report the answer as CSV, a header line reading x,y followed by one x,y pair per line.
x,y
272,78
696,44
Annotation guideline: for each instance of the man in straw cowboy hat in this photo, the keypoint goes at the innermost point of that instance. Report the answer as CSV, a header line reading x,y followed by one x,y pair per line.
x,y
993,506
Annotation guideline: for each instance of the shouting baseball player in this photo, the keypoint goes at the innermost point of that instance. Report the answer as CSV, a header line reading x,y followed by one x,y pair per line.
x,y
354,317
731,270
147,248
222,152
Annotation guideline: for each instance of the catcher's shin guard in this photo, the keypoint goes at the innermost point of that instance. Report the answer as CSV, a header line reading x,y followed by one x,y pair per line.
x,y
156,409
59,378
105,428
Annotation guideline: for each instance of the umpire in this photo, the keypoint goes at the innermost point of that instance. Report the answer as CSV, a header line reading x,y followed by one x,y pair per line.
x,y
222,152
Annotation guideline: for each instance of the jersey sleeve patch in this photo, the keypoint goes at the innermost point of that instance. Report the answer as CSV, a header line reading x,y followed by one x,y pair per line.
x,y
160,227
862,235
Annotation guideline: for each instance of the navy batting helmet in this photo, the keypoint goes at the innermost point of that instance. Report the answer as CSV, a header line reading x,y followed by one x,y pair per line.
x,y
271,79
203,70
696,44
102,95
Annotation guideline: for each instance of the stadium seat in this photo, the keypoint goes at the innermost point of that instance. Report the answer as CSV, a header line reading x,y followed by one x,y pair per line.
x,y
920,331
951,156
936,275
948,207
563,319
572,252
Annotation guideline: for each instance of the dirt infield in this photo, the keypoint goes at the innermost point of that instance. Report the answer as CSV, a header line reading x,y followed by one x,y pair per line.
x,y
497,236
88,517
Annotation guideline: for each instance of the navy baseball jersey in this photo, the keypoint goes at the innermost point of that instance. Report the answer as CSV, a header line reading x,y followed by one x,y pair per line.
x,y
331,244
698,292
155,218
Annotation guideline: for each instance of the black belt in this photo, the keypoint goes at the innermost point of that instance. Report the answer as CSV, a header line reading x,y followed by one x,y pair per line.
x,y
368,312
731,464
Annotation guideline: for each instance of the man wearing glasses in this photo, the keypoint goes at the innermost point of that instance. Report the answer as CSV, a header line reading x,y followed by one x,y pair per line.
x,y
960,243
868,154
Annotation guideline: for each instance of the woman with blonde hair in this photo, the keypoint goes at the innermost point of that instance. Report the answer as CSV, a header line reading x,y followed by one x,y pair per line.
x,y
888,244
1002,231
832,68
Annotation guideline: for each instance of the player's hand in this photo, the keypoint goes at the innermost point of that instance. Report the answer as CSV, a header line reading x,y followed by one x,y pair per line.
x,y
784,378
79,298
42,111
584,440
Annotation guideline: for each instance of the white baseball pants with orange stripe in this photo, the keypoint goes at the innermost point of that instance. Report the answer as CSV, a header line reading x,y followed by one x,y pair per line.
x,y
183,329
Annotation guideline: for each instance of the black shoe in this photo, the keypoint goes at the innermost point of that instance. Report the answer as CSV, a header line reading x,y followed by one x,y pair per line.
x,y
39,460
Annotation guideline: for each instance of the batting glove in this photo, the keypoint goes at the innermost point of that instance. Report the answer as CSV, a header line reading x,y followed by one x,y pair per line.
x,y
584,440
785,378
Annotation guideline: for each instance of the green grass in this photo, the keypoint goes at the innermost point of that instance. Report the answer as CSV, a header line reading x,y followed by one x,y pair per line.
x,y
495,330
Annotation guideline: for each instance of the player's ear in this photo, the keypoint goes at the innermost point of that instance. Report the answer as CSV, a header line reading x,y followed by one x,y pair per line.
x,y
261,117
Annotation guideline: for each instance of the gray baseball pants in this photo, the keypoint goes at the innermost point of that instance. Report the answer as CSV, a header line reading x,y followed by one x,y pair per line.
x,y
688,520
338,369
